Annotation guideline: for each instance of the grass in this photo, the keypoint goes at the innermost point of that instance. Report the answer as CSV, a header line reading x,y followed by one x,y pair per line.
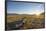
x,y
30,22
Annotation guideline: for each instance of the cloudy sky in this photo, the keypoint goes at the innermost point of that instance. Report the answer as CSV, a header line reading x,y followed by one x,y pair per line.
x,y
24,8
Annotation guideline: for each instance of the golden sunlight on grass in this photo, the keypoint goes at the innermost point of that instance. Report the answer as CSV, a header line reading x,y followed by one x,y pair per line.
x,y
30,21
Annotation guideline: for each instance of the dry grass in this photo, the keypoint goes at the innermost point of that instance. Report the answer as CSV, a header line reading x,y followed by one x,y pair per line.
x,y
31,22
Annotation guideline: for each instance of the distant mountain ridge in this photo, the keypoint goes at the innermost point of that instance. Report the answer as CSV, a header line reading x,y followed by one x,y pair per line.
x,y
24,14
12,14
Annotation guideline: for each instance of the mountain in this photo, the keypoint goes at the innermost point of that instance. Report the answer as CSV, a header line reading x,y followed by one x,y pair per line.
x,y
43,13
12,14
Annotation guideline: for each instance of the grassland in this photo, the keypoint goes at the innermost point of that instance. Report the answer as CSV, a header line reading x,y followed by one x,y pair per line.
x,y
30,21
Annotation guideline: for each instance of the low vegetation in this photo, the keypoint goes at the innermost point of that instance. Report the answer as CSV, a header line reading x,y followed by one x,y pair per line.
x,y
26,21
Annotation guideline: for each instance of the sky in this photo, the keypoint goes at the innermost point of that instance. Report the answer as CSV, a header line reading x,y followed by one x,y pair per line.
x,y
24,8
